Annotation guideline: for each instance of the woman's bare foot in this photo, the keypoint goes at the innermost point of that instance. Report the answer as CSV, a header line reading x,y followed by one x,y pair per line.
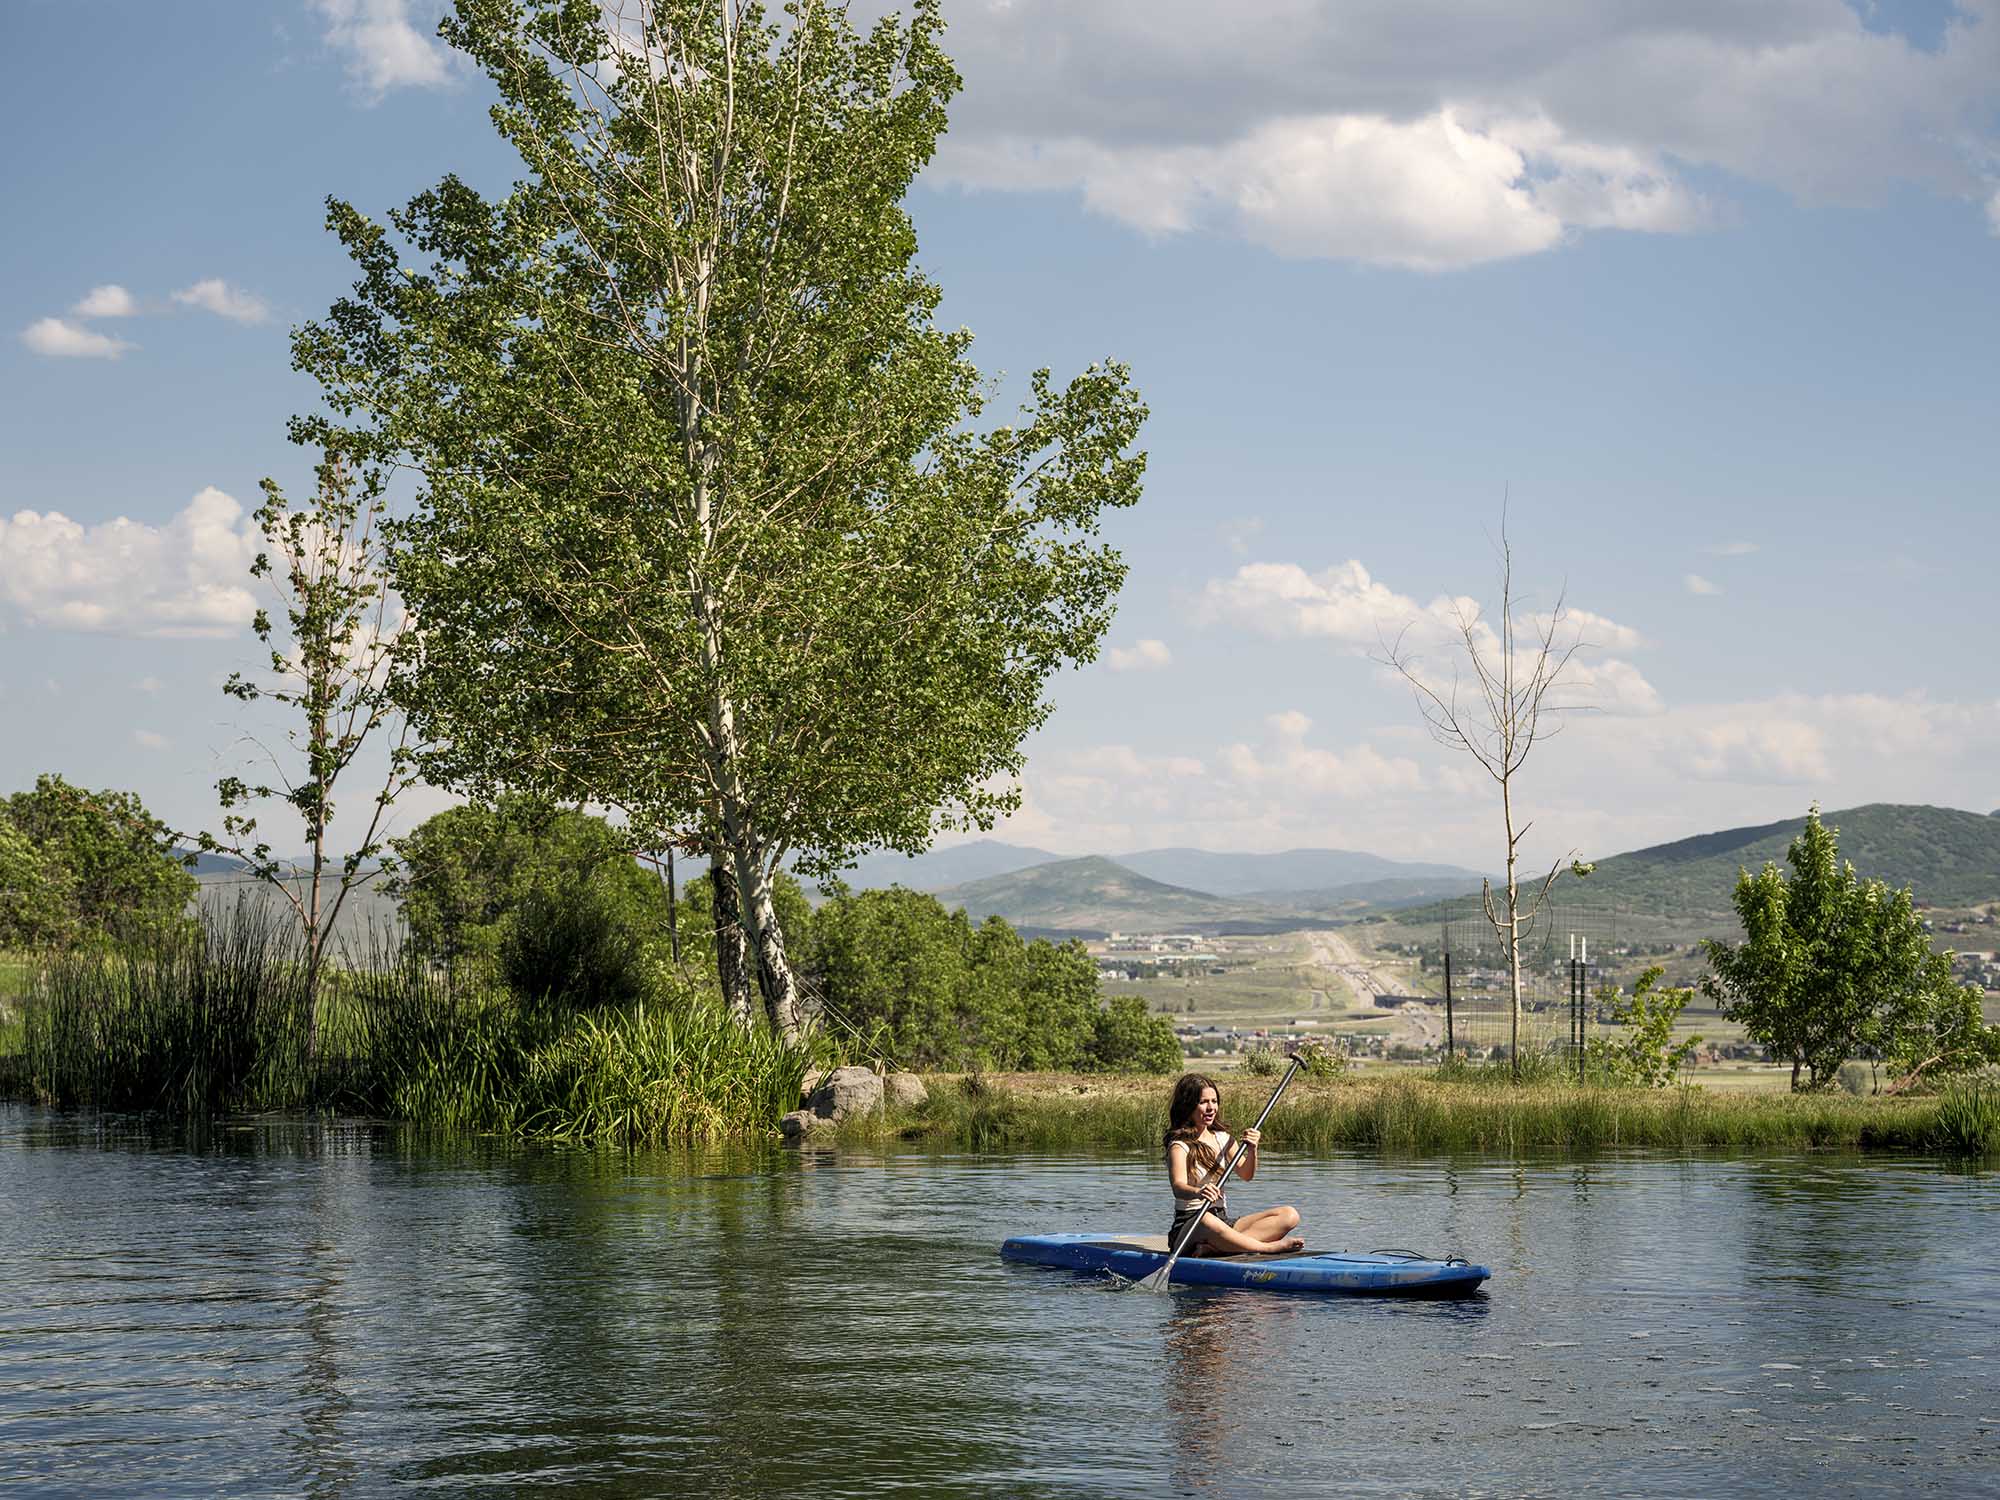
x,y
1284,1246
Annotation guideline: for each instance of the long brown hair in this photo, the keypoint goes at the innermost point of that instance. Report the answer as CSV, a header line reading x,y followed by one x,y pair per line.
x,y
1182,1125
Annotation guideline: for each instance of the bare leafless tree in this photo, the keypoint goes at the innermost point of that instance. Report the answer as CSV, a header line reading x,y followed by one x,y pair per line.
x,y
1496,707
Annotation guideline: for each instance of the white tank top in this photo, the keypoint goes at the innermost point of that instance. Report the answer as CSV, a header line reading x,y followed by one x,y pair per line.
x,y
1196,1176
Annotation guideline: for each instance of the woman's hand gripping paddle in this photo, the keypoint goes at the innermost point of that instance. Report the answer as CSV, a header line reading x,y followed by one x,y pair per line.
x,y
1157,1282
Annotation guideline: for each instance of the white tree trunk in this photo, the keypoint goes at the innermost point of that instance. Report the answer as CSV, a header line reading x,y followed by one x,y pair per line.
x,y
775,975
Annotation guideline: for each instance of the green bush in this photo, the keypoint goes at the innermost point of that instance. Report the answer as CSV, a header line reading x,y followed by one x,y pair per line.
x,y
213,1020
1260,1060
1320,1058
1644,1053
79,866
932,991
578,943
1127,1038
469,872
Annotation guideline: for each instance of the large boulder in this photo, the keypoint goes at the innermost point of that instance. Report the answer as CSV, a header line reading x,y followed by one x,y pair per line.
x,y
847,1091
905,1090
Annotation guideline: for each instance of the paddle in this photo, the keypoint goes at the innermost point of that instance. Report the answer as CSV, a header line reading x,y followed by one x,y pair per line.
x,y
1158,1280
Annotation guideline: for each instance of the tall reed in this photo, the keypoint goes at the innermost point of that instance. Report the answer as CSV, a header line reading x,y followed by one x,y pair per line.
x,y
205,1017
1968,1117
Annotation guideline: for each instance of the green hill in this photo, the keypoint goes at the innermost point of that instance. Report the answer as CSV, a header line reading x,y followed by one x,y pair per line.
x,y
1095,894
1946,856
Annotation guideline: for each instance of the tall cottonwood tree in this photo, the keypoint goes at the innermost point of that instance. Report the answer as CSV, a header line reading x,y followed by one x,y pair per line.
x,y
1496,706
705,531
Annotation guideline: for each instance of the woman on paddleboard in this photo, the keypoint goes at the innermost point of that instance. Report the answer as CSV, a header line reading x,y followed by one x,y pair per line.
x,y
1197,1149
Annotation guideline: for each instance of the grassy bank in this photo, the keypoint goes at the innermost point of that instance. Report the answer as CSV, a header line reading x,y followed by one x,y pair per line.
x,y
1423,1116
216,1020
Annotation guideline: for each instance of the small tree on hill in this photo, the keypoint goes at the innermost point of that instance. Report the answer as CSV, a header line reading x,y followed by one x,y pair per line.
x,y
1832,965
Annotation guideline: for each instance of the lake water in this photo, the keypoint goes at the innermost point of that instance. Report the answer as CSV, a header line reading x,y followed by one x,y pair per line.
x,y
326,1310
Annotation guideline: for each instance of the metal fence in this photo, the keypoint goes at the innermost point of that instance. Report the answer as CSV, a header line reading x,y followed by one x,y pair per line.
x,y
1561,949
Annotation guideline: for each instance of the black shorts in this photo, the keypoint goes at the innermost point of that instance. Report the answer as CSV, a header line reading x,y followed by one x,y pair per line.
x,y
1185,1216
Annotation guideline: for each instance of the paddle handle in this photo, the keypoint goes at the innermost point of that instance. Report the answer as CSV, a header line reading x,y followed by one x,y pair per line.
x,y
1223,1181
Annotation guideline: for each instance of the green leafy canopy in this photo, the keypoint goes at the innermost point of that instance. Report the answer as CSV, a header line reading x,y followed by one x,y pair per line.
x,y
1833,966
705,522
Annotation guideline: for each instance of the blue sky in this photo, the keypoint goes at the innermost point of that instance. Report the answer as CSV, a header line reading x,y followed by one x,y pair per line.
x,y
1710,293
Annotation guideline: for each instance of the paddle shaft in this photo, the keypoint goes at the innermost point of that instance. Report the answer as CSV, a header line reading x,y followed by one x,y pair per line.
x,y
1160,1277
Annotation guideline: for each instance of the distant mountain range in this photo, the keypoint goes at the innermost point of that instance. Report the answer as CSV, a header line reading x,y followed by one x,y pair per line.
x,y
1947,856
1095,894
1254,875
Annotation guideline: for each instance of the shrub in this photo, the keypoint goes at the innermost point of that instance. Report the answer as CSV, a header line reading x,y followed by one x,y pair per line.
x,y
1126,1038
1645,1054
1320,1058
1260,1060
578,943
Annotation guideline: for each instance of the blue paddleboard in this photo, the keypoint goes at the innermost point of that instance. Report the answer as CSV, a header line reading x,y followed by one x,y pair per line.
x,y
1379,1273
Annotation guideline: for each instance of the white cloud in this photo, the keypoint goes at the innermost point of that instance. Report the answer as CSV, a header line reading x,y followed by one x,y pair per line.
x,y
215,295
1431,194
64,340
383,49
1422,133
1600,787
1342,603
1345,604
1774,750
1287,762
149,686
1993,211
1696,584
1141,656
1733,549
1595,630
109,301
1124,761
1605,685
146,739
122,577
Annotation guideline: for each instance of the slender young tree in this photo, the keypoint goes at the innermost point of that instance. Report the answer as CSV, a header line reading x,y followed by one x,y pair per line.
x,y
706,533
329,665
1496,707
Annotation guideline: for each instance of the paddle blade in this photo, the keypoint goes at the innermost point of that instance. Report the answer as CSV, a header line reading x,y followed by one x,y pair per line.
x,y
1150,1283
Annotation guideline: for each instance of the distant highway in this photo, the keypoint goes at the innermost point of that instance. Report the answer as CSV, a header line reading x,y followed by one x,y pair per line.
x,y
1416,1024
